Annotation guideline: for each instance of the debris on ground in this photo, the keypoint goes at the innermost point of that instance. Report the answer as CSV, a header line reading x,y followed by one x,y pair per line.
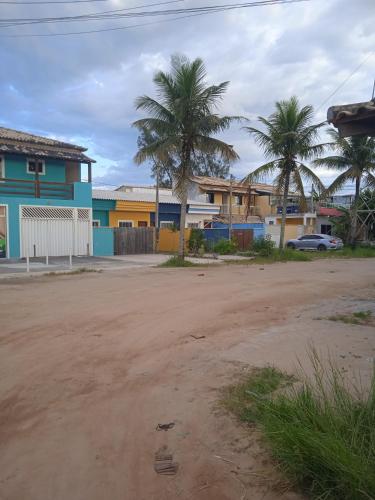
x,y
198,337
165,427
164,462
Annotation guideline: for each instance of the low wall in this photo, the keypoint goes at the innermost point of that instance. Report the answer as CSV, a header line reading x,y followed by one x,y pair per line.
x,y
103,240
168,240
257,227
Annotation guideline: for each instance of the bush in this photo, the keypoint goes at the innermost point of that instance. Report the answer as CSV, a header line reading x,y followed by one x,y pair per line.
x,y
196,240
322,433
225,247
263,246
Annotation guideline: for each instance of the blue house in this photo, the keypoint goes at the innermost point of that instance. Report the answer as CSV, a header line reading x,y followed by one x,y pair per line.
x,y
45,207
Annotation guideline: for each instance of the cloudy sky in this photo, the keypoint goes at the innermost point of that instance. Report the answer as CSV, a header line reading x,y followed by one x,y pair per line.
x,y
82,88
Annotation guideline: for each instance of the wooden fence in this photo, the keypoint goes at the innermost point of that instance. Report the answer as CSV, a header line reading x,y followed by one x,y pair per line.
x,y
134,240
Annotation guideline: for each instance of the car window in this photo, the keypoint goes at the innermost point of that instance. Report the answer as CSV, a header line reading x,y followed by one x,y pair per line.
x,y
304,238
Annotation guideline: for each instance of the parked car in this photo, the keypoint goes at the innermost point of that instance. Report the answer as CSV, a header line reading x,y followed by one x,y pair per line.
x,y
320,242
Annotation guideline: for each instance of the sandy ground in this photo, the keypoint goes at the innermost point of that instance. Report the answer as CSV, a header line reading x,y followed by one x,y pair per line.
x,y
90,364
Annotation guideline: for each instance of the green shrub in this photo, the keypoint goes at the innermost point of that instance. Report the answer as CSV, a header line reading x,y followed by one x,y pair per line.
x,y
196,240
225,247
263,246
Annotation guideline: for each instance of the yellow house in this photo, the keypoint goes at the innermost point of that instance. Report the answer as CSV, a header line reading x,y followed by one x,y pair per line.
x,y
131,214
245,203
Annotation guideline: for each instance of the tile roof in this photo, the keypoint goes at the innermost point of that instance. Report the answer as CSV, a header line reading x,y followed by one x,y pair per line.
x,y
17,142
353,119
329,212
224,184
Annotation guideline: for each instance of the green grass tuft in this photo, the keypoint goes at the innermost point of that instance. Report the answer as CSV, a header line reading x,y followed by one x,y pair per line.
x,y
79,270
176,261
322,433
355,318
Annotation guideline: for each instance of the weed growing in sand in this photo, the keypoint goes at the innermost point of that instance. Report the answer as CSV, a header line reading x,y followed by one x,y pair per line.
x,y
321,432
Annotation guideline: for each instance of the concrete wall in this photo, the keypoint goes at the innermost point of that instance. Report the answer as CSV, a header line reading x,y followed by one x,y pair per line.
x,y
16,168
258,228
103,241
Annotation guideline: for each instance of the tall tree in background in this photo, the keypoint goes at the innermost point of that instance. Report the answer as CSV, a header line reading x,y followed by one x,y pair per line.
x,y
184,122
288,141
207,164
355,159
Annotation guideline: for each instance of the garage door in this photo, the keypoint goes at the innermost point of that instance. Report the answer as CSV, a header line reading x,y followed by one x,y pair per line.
x,y
55,231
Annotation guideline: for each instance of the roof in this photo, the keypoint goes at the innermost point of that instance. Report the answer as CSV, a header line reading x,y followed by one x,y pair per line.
x,y
353,119
218,184
329,212
17,142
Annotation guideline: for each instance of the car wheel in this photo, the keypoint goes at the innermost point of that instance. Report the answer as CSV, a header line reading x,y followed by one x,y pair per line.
x,y
321,248
291,246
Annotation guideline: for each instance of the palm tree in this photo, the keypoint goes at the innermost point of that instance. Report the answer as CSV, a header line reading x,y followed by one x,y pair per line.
x,y
183,121
356,160
288,140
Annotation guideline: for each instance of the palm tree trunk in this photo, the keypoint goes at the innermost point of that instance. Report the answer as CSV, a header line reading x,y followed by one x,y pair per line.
x,y
283,216
181,243
354,213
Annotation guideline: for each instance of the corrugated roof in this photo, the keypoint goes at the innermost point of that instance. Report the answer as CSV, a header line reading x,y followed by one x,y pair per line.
x,y
17,142
103,194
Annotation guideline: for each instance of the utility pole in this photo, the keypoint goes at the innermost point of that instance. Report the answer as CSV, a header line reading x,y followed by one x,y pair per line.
x,y
230,205
312,198
157,224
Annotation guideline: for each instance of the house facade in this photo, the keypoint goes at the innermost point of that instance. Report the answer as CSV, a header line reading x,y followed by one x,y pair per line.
x,y
126,207
45,207
241,202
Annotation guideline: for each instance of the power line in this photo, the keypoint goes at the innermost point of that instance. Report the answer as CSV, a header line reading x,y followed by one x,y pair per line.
x,y
193,12
339,87
44,2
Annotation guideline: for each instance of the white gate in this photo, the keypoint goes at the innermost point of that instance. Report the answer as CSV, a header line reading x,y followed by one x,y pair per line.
x,y
55,231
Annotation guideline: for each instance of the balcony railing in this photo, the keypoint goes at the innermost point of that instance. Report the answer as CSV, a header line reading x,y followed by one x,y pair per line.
x,y
240,210
36,189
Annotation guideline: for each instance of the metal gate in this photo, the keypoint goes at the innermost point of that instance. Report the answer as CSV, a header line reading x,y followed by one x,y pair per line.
x,y
243,238
55,231
134,240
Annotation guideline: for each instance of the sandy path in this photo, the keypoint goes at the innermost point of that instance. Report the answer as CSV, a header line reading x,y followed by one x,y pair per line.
x,y
90,364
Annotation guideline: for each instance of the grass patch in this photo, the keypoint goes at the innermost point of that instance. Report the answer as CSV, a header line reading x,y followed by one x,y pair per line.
x,y
347,253
176,261
80,270
286,255
355,318
321,433
240,398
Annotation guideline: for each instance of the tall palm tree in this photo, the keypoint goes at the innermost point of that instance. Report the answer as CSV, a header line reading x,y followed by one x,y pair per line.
x,y
355,159
288,140
184,121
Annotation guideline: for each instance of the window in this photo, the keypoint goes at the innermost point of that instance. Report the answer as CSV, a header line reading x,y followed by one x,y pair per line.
x,y
2,168
238,199
166,223
210,197
326,229
142,223
193,225
32,165
95,223
125,223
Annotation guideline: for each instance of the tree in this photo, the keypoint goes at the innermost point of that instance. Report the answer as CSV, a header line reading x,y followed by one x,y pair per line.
x,y
207,164
355,159
184,122
288,140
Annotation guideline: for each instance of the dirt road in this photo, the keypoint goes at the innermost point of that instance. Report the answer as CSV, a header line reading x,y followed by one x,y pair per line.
x,y
90,364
